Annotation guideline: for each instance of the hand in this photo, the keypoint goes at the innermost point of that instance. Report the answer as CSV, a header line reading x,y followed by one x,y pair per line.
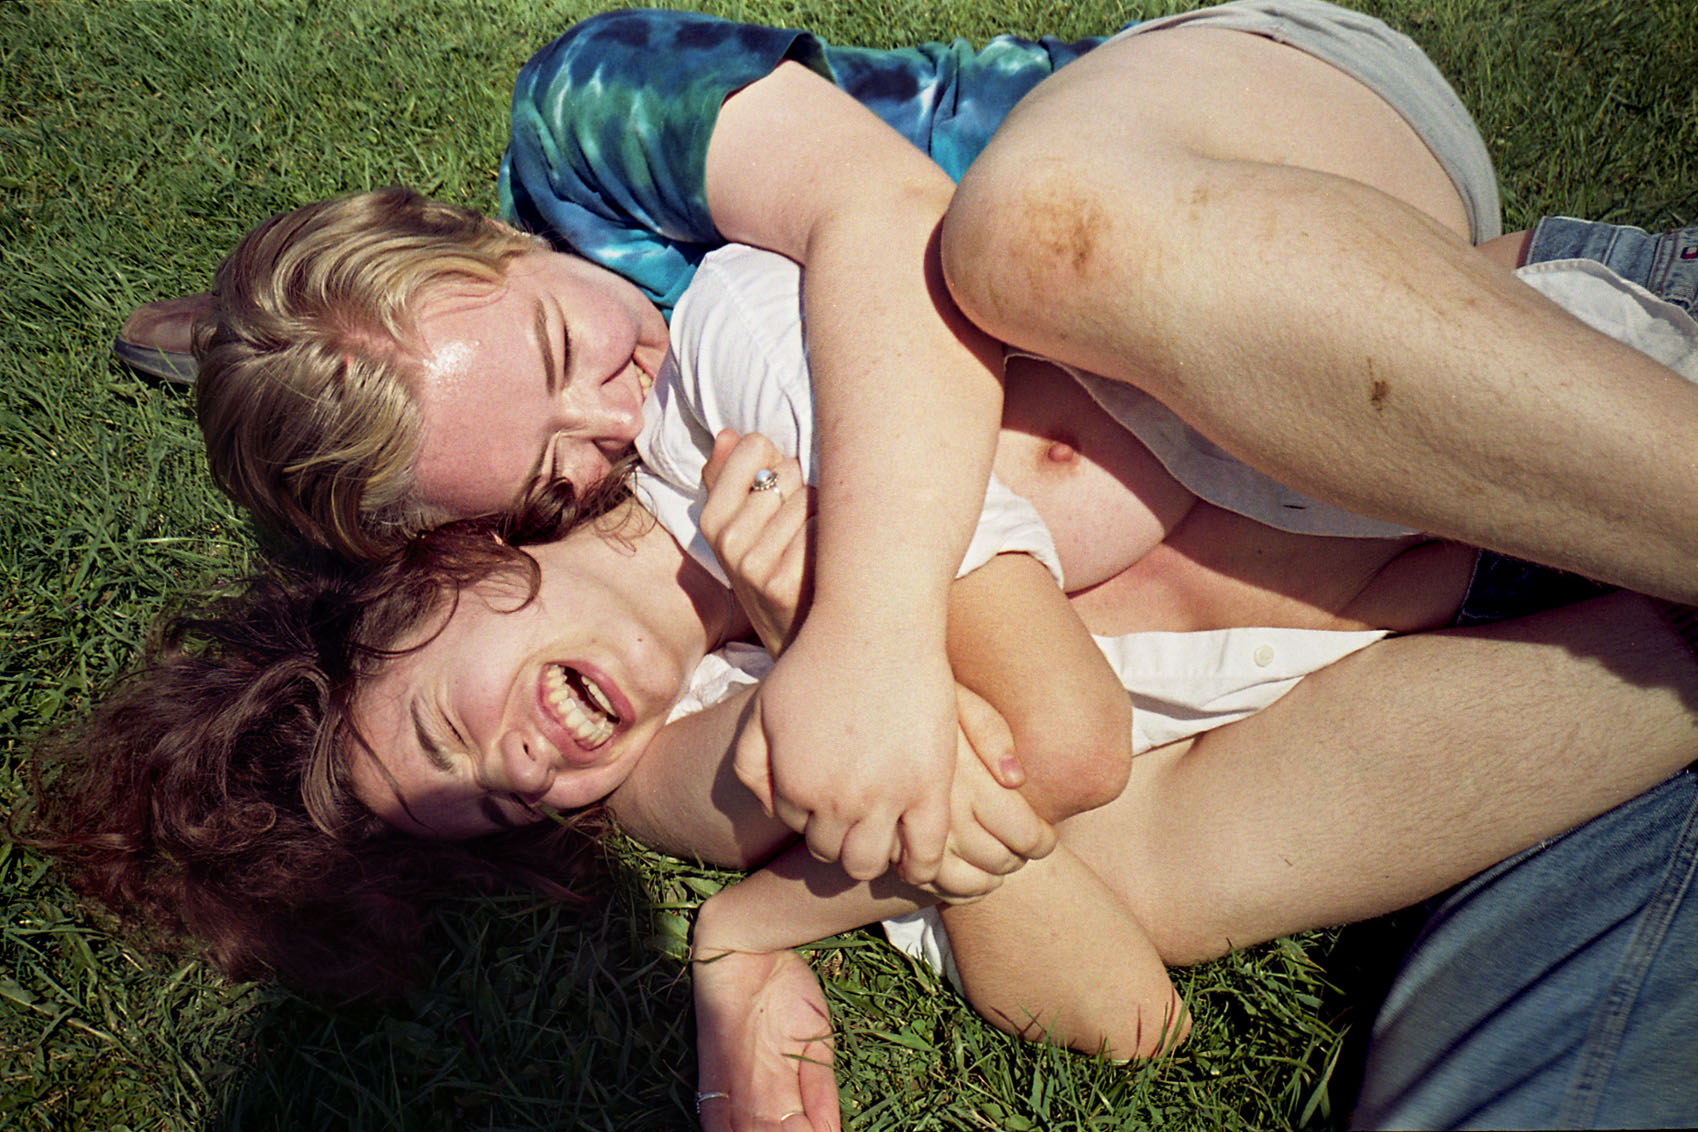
x,y
763,1037
851,781
760,537
992,829
854,753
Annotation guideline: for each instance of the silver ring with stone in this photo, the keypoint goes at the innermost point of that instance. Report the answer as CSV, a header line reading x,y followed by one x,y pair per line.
x,y
714,1096
765,480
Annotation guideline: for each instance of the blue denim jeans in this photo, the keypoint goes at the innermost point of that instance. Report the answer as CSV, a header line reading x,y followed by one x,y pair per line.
x,y
1664,263
1558,989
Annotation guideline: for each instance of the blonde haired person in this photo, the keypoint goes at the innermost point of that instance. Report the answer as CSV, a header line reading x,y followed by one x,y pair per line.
x,y
309,356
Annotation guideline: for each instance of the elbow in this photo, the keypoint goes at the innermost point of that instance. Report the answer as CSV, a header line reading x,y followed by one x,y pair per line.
x,y
1078,767
1147,1033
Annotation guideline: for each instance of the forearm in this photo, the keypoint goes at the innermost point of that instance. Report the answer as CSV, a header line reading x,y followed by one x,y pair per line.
x,y
1015,641
795,900
1052,954
907,403
683,797
907,391
1395,774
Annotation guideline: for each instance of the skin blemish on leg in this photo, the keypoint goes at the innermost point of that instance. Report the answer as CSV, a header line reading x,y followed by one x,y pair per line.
x,y
1379,390
1064,230
1200,197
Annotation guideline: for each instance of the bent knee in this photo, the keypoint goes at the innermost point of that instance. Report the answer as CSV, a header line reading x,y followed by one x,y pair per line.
x,y
1106,1027
1018,235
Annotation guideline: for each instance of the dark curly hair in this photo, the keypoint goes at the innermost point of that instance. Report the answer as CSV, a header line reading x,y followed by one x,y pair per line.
x,y
207,798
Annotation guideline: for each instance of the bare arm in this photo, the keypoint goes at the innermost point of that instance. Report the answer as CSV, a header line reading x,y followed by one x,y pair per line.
x,y
1015,640
907,401
1396,773
761,1023
683,798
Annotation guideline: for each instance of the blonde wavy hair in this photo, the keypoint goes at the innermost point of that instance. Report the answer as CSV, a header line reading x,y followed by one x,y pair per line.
x,y
304,367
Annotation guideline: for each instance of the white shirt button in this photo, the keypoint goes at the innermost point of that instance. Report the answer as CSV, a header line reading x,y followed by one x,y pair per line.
x,y
1263,656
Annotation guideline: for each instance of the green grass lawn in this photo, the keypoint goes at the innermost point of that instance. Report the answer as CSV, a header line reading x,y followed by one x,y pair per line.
x,y
138,140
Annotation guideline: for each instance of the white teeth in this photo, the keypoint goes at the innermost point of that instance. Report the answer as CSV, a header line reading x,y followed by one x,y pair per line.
x,y
599,698
588,716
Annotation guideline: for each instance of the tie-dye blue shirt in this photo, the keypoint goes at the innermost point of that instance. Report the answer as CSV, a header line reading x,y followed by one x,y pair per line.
x,y
608,152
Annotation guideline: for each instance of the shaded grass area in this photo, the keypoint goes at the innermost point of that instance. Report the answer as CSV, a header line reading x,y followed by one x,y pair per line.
x,y
137,142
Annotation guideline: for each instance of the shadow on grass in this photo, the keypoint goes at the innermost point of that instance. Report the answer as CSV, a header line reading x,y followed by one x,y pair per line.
x,y
533,1018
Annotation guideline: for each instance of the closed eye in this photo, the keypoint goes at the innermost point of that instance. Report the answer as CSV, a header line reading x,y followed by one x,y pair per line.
x,y
496,816
435,751
553,370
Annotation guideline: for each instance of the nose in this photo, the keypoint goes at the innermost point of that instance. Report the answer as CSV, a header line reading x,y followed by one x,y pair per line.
x,y
612,419
604,411
517,766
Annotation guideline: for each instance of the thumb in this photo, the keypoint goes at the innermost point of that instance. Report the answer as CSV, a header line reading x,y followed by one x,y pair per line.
x,y
723,442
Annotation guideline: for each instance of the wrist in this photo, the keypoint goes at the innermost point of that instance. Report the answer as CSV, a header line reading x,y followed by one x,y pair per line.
x,y
906,623
716,933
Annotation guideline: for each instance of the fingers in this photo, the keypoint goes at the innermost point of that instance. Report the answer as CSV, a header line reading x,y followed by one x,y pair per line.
x,y
819,1094
761,537
723,442
765,546
716,1112
867,848
713,1111
990,737
731,473
752,763
1006,820
925,834
960,883
977,847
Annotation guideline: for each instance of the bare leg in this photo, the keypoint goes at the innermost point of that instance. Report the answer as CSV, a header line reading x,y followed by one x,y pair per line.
x,y
1396,773
1508,251
1054,955
1257,240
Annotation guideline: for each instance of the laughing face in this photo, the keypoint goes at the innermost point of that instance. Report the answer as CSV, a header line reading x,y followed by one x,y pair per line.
x,y
541,378
513,708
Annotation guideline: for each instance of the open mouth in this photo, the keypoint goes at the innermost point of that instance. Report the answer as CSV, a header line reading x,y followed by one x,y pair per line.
x,y
580,705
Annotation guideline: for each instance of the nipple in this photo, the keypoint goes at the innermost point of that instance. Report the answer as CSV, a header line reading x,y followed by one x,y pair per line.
x,y
1061,452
